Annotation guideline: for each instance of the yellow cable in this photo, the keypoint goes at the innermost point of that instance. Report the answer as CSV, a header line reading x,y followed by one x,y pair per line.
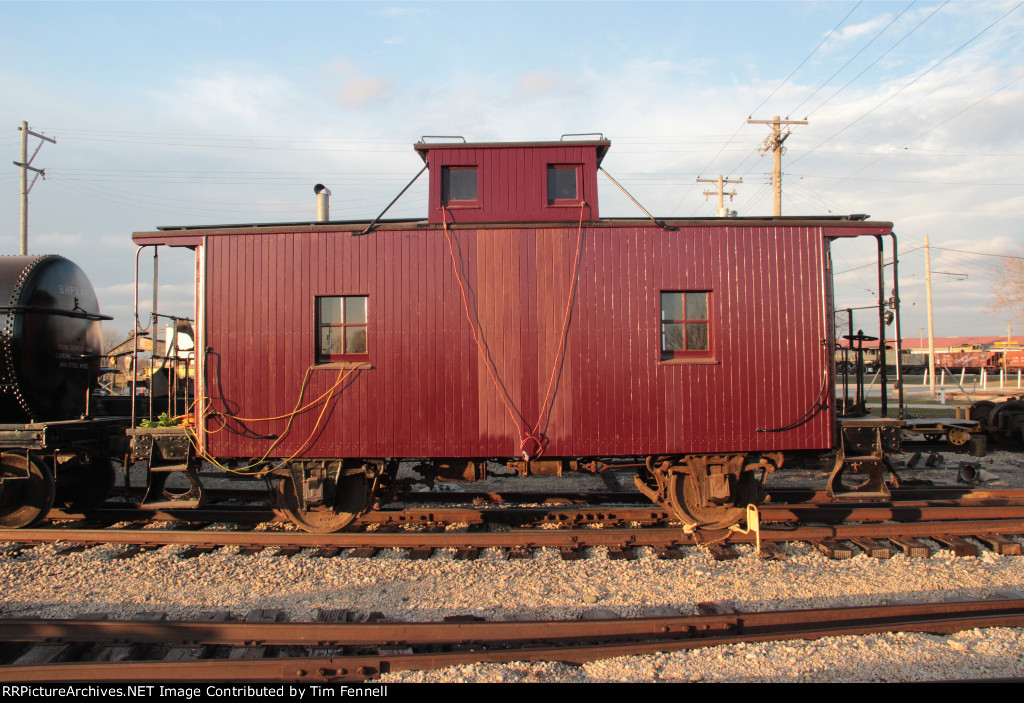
x,y
327,396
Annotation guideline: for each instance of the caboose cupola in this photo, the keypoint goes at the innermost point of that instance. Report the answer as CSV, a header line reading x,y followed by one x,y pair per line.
x,y
513,181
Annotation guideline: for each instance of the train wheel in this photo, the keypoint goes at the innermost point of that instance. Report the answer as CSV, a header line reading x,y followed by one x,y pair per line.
x,y
90,484
353,493
958,436
27,493
980,410
687,498
1001,419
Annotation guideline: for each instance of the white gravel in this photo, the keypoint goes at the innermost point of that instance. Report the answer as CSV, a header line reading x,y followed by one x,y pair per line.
x,y
41,583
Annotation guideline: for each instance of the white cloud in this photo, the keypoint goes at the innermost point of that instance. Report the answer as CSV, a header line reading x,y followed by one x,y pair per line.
x,y
227,97
541,82
362,91
855,31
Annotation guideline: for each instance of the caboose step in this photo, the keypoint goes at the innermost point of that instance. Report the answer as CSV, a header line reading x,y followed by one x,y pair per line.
x,y
169,468
871,488
171,504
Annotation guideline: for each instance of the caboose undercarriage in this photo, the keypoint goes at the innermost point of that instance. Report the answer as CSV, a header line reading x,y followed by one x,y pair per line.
x,y
703,491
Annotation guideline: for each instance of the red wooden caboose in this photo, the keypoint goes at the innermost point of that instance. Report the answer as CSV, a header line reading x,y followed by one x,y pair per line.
x,y
515,324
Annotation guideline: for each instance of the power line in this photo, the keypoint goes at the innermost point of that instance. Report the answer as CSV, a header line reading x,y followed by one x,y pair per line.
x,y
915,80
979,253
863,48
882,56
933,128
814,51
909,180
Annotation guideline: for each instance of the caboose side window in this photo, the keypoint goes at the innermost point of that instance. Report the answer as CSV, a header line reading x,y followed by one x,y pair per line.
x,y
459,185
564,184
341,328
685,325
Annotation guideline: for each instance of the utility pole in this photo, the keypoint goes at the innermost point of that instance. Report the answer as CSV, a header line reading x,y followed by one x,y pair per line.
x,y
931,335
26,166
722,212
774,144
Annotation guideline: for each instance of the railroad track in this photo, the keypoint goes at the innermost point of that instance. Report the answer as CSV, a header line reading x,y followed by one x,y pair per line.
x,y
949,516
880,540
263,648
782,505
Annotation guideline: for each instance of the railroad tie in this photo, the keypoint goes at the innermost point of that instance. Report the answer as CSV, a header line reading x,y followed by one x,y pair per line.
x,y
466,553
912,547
669,552
193,552
572,553
1001,545
127,652
329,615
960,546
519,552
772,551
722,552
872,547
623,553
834,550
716,607
39,654
200,651
259,651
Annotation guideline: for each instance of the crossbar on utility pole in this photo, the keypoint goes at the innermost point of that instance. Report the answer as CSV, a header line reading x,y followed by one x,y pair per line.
x,y
720,192
774,144
26,165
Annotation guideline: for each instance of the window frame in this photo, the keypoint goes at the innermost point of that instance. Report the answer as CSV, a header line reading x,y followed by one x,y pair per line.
x,y
563,202
343,325
446,201
686,354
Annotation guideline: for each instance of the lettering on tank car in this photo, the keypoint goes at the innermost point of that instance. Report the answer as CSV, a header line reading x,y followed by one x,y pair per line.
x,y
71,356
68,289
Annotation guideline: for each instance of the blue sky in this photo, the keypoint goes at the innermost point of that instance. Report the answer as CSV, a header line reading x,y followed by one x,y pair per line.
x,y
205,113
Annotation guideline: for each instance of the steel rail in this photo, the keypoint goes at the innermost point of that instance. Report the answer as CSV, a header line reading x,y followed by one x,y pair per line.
x,y
492,641
395,634
527,538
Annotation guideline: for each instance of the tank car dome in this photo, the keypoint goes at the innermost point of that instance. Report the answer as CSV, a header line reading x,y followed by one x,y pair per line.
x,y
51,339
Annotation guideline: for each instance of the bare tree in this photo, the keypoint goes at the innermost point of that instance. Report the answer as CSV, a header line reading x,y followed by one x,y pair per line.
x,y
111,338
1008,285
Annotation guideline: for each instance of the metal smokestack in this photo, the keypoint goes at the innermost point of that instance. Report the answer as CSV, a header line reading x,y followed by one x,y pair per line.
x,y
323,202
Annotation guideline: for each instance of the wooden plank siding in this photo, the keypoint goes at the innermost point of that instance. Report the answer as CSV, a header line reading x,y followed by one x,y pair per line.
x,y
428,391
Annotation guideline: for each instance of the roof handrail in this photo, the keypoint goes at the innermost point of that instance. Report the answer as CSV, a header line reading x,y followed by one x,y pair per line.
x,y
425,137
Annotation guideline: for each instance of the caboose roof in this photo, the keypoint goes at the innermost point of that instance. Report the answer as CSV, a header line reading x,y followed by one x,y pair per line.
x,y
192,235
600,145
